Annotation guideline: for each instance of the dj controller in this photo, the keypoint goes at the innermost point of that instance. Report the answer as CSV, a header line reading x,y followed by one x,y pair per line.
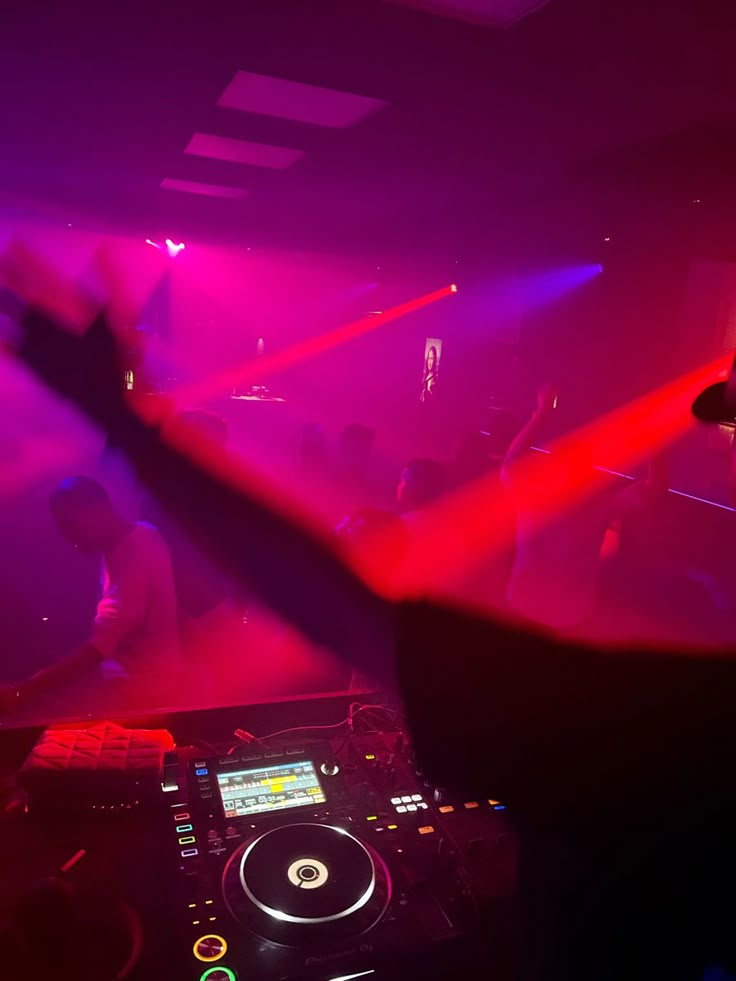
x,y
295,857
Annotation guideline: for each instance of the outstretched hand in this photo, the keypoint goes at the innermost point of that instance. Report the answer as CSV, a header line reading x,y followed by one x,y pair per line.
x,y
84,369
68,344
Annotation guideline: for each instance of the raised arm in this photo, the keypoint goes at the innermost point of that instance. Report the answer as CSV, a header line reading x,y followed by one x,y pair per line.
x,y
295,570
524,440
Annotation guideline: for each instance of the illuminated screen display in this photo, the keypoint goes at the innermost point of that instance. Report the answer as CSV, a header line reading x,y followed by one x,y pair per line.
x,y
269,788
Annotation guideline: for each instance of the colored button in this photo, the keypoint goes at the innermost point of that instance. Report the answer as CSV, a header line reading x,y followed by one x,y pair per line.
x,y
395,800
401,809
499,807
447,809
182,828
411,807
187,840
416,796
209,948
182,816
373,817
218,974
426,830
471,804
189,852
494,802
392,827
370,756
202,771
203,763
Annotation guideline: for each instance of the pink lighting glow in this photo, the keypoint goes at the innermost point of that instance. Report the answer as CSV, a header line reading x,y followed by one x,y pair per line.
x,y
268,96
242,151
208,190
154,244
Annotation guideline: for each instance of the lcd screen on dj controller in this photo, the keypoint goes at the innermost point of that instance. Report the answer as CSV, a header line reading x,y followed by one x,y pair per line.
x,y
269,788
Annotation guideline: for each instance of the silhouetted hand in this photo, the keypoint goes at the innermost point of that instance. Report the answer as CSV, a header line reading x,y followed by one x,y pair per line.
x,y
66,339
85,369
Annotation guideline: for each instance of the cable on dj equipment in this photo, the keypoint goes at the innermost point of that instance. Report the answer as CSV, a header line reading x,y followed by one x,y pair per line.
x,y
354,710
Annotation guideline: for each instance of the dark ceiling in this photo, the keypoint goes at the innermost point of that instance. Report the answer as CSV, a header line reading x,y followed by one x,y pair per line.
x,y
586,116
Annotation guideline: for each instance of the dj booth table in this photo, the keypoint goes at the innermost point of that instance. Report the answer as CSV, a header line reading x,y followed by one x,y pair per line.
x,y
317,853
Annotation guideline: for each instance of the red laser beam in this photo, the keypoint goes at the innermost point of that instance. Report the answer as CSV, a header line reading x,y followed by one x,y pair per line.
x,y
258,368
476,522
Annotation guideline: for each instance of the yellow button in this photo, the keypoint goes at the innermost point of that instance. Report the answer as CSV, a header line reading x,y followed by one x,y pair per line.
x,y
211,947
493,802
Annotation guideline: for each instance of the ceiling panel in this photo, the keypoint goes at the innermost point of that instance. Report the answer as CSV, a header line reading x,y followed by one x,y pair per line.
x,y
296,101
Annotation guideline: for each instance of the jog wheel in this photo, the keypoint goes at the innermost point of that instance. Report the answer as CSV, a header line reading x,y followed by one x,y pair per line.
x,y
306,884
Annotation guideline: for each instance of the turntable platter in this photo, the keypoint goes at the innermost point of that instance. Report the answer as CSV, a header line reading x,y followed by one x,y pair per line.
x,y
306,882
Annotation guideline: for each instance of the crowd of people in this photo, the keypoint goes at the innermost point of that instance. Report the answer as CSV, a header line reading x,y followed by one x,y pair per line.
x,y
172,627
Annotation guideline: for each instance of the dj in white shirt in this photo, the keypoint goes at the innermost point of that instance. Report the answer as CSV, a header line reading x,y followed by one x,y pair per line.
x,y
134,638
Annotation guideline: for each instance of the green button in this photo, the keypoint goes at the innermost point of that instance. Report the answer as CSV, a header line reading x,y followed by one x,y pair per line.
x,y
218,974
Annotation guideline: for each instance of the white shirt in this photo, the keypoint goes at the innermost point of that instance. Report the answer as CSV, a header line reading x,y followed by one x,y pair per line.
x,y
135,627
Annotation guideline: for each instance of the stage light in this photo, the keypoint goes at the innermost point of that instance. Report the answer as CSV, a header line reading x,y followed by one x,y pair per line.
x,y
174,249
453,288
